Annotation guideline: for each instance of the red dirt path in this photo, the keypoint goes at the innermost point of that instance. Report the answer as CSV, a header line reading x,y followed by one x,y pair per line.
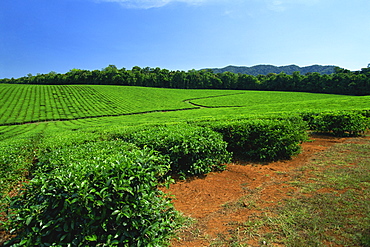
x,y
203,198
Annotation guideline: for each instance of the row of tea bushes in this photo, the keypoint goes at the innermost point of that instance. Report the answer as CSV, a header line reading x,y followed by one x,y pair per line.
x,y
95,194
339,123
193,150
263,140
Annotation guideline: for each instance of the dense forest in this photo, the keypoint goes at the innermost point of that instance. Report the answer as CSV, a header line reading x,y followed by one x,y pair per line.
x,y
342,81
267,69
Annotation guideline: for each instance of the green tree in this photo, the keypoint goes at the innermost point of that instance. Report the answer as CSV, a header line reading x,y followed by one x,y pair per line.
x,y
247,82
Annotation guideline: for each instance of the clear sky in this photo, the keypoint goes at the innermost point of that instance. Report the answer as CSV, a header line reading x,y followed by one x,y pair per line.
x,y
39,36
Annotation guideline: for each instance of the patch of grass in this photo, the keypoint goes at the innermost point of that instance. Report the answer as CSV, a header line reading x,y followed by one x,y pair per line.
x,y
323,218
343,166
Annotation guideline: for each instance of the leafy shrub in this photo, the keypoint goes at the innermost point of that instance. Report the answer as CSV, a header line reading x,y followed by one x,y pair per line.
x,y
16,158
54,139
55,156
365,113
108,198
341,123
13,165
192,150
263,140
309,118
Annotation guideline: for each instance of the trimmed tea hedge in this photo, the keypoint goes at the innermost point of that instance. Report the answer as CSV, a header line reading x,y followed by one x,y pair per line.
x,y
108,198
193,150
341,123
263,140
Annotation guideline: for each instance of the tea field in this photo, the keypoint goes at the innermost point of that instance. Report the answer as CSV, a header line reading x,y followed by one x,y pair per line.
x,y
129,140
33,103
81,106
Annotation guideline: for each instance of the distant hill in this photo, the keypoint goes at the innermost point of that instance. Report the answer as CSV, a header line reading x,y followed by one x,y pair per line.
x,y
266,69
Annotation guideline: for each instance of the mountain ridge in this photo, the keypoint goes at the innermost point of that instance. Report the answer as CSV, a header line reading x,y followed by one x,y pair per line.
x,y
264,69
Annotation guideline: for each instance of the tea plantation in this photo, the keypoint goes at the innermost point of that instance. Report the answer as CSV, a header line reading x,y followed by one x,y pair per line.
x,y
81,165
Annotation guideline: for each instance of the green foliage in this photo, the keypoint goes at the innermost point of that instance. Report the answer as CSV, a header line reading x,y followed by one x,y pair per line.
x,y
37,103
54,139
192,150
266,77
80,180
54,157
14,164
266,69
17,157
265,140
267,99
44,103
365,113
96,194
340,123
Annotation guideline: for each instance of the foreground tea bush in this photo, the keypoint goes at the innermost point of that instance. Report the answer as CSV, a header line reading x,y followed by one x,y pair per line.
x,y
52,155
192,150
109,198
263,140
340,123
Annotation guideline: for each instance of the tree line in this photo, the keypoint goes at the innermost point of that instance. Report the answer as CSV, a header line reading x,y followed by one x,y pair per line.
x,y
342,81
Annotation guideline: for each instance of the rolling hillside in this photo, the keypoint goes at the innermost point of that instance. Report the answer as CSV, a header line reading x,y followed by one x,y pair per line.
x,y
266,69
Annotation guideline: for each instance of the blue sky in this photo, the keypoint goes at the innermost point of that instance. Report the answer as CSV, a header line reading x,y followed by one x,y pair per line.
x,y
39,36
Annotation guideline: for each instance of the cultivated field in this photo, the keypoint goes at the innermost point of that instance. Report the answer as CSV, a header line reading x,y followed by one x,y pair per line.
x,y
98,105
88,149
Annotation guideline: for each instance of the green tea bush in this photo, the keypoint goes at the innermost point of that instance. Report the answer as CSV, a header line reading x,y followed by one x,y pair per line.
x,y
193,150
341,123
55,156
365,113
309,118
108,198
17,156
55,138
13,165
263,140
